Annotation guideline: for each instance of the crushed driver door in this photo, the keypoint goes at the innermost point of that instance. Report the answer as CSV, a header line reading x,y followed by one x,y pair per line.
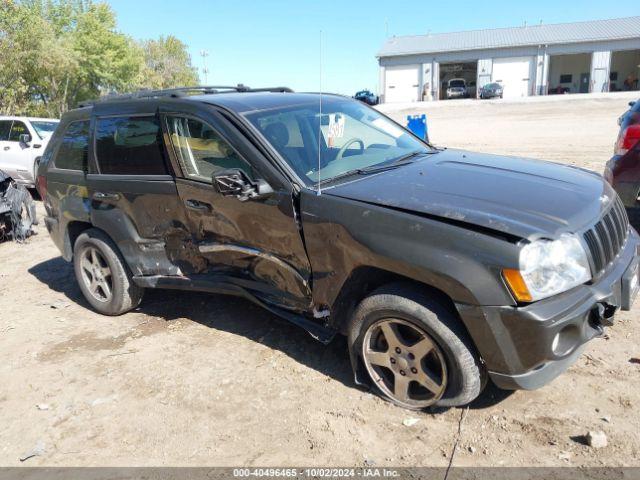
x,y
250,242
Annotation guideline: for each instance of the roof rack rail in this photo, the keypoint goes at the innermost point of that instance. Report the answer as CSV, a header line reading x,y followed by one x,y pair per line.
x,y
182,92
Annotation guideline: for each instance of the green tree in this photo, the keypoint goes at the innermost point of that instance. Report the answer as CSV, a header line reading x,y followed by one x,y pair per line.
x,y
167,64
57,53
18,35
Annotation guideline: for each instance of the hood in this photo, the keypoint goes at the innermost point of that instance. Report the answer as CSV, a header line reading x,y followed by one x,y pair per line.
x,y
521,197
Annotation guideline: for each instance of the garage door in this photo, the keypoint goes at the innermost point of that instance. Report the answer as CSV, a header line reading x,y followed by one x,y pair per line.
x,y
402,84
514,74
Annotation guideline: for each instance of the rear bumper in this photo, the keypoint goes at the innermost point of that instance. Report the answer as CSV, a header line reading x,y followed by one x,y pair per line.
x,y
527,347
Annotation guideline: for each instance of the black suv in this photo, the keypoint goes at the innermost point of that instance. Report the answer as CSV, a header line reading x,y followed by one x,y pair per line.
x,y
440,266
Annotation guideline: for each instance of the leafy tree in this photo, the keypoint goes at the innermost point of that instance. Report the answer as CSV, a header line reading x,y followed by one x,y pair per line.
x,y
18,33
57,53
167,63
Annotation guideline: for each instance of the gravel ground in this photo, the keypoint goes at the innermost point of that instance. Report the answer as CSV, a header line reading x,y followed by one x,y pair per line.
x,y
196,379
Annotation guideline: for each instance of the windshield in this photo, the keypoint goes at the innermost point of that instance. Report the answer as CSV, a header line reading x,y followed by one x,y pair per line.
x,y
44,128
493,86
456,83
353,136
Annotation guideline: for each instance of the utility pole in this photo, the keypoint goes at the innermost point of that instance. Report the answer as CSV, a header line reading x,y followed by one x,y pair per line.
x,y
204,54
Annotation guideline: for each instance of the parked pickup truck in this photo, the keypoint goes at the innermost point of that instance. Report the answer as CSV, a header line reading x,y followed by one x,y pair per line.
x,y
22,141
457,88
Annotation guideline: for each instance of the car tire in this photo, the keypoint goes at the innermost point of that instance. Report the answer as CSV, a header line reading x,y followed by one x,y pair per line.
x,y
102,274
463,373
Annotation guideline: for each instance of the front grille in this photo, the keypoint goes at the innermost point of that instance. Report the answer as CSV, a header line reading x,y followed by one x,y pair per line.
x,y
608,236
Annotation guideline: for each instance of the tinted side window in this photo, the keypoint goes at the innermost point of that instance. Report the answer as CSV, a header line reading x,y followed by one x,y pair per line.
x,y
5,128
17,129
73,151
130,146
201,151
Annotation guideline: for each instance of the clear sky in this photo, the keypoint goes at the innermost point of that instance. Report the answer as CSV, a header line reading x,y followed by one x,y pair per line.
x,y
276,42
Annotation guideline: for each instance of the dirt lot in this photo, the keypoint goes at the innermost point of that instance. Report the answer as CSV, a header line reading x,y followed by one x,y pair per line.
x,y
195,379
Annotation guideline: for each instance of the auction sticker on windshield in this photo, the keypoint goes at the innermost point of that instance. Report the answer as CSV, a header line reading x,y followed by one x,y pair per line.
x,y
336,126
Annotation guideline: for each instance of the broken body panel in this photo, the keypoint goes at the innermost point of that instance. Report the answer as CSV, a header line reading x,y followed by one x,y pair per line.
x,y
17,210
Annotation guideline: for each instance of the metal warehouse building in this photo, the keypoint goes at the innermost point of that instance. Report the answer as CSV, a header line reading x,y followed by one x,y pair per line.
x,y
596,56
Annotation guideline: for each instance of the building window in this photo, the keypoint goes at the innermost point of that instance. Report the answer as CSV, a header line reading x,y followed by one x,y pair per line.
x,y
566,78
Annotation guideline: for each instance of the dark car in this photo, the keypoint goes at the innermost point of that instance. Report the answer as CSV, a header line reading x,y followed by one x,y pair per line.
x,y
623,169
492,90
440,266
367,97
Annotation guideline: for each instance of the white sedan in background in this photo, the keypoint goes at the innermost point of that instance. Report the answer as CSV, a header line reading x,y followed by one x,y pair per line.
x,y
22,140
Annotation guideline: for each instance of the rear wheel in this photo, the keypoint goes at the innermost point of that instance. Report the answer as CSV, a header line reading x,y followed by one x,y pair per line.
x,y
103,276
415,350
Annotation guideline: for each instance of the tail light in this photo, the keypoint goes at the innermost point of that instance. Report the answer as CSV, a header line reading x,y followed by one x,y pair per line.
x,y
628,139
41,186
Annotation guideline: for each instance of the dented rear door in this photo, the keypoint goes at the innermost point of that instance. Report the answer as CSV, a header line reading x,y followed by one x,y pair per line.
x,y
132,190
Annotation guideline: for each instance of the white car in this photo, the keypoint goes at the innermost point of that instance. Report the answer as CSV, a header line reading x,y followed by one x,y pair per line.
x,y
457,88
22,140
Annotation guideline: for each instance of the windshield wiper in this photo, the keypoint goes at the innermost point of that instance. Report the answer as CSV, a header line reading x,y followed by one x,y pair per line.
x,y
398,162
408,156
365,171
348,173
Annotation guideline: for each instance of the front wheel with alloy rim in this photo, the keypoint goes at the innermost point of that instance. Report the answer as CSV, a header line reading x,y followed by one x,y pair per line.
x,y
104,278
414,349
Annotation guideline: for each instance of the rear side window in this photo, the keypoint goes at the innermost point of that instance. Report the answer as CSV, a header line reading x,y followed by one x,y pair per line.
x,y
5,128
17,129
130,146
74,148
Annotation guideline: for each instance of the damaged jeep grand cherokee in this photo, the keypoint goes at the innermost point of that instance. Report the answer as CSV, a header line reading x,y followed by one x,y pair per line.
x,y
442,267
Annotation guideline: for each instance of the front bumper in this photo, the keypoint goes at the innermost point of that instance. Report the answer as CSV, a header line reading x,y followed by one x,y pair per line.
x,y
527,347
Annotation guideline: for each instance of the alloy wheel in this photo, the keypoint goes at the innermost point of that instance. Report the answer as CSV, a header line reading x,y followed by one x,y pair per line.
x,y
96,274
405,363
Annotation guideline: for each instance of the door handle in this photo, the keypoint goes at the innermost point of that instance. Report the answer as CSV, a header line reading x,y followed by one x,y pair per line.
x,y
7,148
106,196
197,205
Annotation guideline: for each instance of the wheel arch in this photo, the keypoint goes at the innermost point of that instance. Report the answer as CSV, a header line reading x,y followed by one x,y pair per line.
x,y
73,230
365,280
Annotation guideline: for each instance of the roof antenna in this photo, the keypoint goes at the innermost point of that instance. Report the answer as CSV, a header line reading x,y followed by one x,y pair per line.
x,y
320,123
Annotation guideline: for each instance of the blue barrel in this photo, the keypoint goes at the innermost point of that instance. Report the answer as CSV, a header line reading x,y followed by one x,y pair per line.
x,y
418,126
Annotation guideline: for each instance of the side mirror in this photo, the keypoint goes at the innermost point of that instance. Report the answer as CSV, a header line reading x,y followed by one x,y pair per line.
x,y
631,104
234,182
24,138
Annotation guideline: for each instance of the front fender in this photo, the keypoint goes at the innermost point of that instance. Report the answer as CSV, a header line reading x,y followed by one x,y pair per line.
x,y
343,235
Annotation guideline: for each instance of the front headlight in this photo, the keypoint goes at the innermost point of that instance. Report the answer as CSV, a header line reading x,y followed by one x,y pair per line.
x,y
549,267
